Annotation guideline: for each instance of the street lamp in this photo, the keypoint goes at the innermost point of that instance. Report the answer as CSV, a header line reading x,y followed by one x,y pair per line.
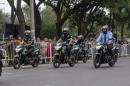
x,y
32,19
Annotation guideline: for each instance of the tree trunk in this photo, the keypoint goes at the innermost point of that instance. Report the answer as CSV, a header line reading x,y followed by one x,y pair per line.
x,y
59,24
37,21
59,29
37,18
20,17
113,23
122,32
12,14
79,29
109,23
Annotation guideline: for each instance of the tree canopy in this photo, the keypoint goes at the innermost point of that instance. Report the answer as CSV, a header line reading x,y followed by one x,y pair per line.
x,y
86,15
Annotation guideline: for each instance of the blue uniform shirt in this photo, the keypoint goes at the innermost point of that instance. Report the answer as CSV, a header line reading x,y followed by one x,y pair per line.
x,y
101,38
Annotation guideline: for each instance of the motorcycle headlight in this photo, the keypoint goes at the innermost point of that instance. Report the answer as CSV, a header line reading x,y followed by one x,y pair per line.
x,y
109,42
75,47
57,47
98,47
17,50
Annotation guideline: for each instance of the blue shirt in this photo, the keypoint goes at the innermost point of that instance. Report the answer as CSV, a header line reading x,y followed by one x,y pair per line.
x,y
101,38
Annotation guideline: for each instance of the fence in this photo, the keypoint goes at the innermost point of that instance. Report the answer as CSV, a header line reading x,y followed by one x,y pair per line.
x,y
46,50
8,52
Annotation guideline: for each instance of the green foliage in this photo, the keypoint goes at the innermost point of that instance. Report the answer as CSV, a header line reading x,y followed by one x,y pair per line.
x,y
83,15
3,19
26,12
48,23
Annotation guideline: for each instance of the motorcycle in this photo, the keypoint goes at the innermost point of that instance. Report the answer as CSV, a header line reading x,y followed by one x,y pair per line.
x,y
80,53
116,52
22,57
1,57
61,55
103,56
74,52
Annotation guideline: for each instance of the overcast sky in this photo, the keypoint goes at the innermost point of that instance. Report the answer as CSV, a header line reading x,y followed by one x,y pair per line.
x,y
4,6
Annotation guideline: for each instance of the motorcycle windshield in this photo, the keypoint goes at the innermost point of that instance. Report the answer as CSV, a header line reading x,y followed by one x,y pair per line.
x,y
75,46
19,46
58,44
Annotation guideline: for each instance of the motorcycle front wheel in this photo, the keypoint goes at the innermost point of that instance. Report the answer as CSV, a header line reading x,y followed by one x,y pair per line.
x,y
96,62
36,60
16,63
85,59
112,62
71,61
56,61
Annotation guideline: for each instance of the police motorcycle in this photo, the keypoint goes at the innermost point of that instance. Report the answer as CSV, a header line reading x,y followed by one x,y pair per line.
x,y
79,50
1,57
116,52
103,56
61,55
24,57
74,52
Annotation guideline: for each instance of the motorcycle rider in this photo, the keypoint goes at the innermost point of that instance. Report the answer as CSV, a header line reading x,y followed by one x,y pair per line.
x,y
80,40
66,37
106,36
29,43
28,38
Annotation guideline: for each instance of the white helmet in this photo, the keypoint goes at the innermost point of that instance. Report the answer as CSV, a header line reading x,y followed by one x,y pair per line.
x,y
80,37
27,32
105,27
66,29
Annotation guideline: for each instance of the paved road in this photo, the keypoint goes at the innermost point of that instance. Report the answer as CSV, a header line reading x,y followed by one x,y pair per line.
x,y
80,75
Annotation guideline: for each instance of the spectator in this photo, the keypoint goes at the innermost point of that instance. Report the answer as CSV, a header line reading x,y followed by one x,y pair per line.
x,y
49,51
44,48
10,45
38,39
124,48
18,40
54,41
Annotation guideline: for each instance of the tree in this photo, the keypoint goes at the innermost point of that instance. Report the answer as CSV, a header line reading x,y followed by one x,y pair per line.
x,y
3,18
37,16
18,12
86,21
48,23
26,12
65,8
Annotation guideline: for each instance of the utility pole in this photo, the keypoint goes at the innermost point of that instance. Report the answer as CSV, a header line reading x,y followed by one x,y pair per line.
x,y
32,19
